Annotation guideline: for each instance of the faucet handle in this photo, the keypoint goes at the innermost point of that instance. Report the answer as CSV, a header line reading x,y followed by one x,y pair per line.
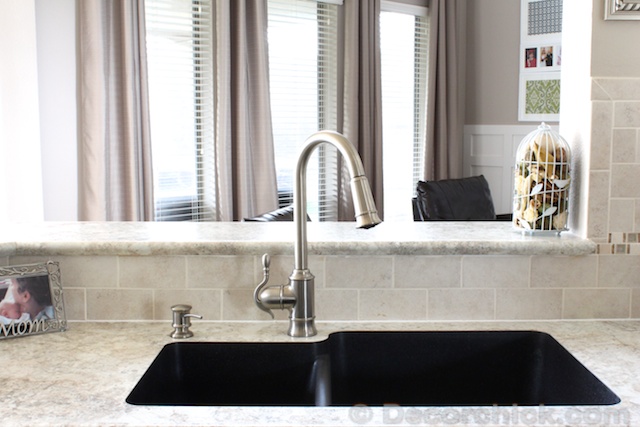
x,y
266,262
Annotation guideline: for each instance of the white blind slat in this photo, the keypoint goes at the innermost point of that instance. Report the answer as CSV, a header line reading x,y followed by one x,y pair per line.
x,y
180,57
302,71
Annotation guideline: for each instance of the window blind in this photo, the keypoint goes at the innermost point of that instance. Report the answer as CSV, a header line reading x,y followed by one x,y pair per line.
x,y
180,59
302,37
404,42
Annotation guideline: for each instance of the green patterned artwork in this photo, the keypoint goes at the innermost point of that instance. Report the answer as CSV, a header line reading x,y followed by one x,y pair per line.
x,y
542,97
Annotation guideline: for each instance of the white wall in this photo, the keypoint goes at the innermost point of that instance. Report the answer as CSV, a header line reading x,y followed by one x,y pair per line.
x,y
20,176
56,45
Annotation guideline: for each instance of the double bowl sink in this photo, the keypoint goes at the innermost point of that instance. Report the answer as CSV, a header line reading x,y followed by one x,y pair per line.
x,y
374,368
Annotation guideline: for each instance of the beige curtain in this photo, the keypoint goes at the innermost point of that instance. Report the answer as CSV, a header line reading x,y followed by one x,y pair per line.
x,y
362,98
244,137
114,174
446,92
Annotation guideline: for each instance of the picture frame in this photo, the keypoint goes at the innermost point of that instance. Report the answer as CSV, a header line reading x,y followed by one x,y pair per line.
x,y
622,10
541,57
540,60
539,98
31,300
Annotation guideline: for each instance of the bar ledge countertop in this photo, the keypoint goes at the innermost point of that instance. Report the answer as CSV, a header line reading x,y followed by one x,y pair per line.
x,y
241,238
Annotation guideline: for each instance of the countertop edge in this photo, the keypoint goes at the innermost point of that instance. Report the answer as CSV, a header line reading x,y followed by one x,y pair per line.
x,y
121,239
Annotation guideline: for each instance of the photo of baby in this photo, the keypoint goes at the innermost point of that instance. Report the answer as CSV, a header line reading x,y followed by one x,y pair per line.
x,y
24,299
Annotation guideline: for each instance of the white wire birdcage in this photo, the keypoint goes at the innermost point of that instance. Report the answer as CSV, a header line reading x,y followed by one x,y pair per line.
x,y
542,182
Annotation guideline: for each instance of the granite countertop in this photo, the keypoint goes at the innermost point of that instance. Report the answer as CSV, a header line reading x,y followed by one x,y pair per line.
x,y
276,238
82,376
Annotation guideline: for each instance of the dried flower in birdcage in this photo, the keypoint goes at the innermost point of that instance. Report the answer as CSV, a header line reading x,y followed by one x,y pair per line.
x,y
541,182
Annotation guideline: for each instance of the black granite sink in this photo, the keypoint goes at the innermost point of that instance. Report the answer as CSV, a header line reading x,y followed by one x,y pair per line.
x,y
374,368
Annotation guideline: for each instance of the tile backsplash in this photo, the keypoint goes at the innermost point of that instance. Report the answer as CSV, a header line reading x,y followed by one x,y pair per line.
x,y
614,188
399,287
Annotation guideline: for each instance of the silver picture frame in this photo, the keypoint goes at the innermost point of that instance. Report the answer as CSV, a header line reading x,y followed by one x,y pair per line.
x,y
31,300
619,10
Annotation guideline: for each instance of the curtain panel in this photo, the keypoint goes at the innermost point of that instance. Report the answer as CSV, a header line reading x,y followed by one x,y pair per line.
x,y
245,160
362,99
446,90
115,180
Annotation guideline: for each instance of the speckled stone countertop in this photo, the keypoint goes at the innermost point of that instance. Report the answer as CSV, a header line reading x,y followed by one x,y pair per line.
x,y
81,377
276,238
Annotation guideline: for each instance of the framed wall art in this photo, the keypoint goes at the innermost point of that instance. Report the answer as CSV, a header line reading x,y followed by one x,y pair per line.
x,y
31,300
618,10
539,97
540,60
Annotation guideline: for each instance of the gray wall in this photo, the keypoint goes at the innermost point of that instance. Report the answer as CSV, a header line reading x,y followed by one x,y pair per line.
x,y
614,50
493,43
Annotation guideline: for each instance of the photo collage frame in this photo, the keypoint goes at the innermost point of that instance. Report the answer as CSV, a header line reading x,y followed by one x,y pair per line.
x,y
540,60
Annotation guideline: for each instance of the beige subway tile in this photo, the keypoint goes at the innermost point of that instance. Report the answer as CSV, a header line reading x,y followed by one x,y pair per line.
x,y
317,267
624,180
393,304
427,271
358,271
623,149
31,259
281,267
618,271
626,114
635,303
617,89
521,304
564,271
598,204
336,304
238,304
461,304
598,92
220,272
601,116
74,303
205,302
166,272
119,304
484,271
89,271
621,215
79,271
596,303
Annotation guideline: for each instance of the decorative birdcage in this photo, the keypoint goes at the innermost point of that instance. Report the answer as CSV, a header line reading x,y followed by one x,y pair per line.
x,y
542,182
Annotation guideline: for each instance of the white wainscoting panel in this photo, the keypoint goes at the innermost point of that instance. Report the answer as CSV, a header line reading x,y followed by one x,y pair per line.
x,y
490,150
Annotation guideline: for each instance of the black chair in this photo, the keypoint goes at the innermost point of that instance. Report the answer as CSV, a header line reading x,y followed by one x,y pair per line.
x,y
464,199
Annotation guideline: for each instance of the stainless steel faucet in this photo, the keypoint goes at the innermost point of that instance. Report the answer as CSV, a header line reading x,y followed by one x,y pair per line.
x,y
298,295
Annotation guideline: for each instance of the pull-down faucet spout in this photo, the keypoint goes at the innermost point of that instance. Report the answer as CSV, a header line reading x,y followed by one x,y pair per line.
x,y
298,295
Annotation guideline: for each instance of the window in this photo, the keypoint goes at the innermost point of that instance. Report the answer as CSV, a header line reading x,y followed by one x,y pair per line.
x,y
180,64
304,98
404,41
303,84
304,80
